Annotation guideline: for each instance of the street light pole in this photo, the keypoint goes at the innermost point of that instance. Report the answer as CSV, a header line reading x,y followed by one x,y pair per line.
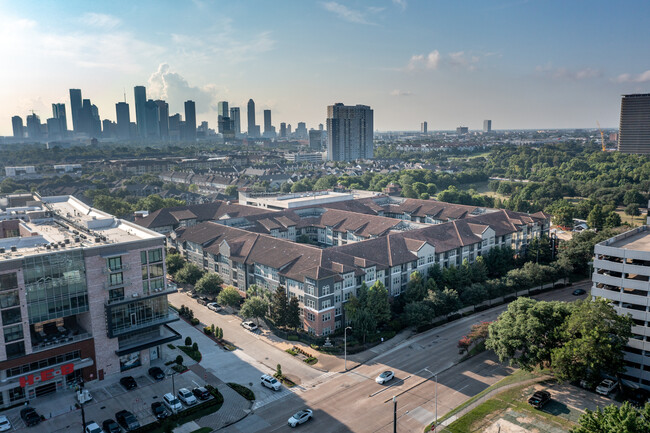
x,y
394,414
345,346
435,424
172,374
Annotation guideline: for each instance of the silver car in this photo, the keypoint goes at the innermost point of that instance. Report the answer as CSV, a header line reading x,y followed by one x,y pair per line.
x,y
300,417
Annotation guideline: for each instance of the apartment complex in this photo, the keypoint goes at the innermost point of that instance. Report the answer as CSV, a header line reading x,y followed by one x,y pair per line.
x,y
349,132
622,275
634,130
82,296
348,244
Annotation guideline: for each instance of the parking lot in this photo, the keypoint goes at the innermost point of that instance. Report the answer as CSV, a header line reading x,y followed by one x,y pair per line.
x,y
109,397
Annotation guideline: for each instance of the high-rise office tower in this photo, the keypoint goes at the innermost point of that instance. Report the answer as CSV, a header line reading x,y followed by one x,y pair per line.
x,y
75,109
34,127
163,119
316,139
175,127
320,126
109,129
236,120
487,126
86,117
222,109
224,123
152,119
301,131
267,123
123,120
95,121
53,129
283,130
634,129
252,130
190,121
289,130
58,112
349,132
17,126
462,130
424,127
140,93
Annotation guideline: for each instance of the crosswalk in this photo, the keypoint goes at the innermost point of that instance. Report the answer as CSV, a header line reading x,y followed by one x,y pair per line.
x,y
314,383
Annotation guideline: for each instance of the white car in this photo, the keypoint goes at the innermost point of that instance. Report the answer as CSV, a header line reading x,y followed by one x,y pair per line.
x,y
186,396
5,425
270,382
385,377
605,387
91,427
300,417
172,403
249,324
214,306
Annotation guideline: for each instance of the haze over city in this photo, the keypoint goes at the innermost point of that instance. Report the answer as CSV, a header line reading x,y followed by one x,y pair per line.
x,y
524,64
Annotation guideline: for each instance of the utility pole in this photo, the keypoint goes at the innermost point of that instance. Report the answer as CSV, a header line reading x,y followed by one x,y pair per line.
x,y
345,345
435,424
394,414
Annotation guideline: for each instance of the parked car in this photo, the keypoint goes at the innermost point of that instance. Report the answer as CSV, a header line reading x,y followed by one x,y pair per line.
x,y
127,420
605,387
156,373
214,306
539,399
578,292
172,403
300,417
30,416
249,324
385,377
270,382
92,427
5,425
203,300
159,410
128,382
110,426
187,397
201,393
638,397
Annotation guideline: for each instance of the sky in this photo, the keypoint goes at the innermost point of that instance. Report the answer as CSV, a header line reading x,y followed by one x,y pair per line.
x,y
523,64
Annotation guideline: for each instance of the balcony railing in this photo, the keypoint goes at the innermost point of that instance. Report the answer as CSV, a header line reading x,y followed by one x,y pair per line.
x,y
108,270
127,327
60,341
113,285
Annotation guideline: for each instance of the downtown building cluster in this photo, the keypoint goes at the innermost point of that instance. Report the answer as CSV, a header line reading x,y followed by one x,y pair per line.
x,y
83,296
355,241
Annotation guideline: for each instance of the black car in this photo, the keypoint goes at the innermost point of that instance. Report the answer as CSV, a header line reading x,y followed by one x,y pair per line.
x,y
156,373
30,416
578,292
110,426
201,393
127,420
159,410
129,383
539,399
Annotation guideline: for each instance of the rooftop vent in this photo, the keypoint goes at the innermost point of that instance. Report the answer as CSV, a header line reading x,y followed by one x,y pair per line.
x,y
14,249
2,250
97,239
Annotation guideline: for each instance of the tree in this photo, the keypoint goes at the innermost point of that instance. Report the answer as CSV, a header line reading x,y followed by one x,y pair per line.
x,y
363,324
612,220
279,307
229,297
596,218
293,314
188,274
188,341
615,419
444,302
418,313
594,336
174,263
633,196
527,332
377,303
415,288
255,307
632,210
209,284
231,190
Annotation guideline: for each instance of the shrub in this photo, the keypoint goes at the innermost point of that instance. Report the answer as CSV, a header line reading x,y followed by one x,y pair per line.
x,y
278,371
171,346
179,360
212,329
195,346
243,391
194,321
292,338
314,346
291,352
311,360
207,330
188,341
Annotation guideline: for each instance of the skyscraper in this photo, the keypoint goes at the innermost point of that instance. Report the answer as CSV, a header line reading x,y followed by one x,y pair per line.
x,y
17,126
152,119
140,117
236,120
222,109
424,126
86,117
487,126
163,119
349,132
283,130
34,127
316,139
75,108
175,127
123,120
252,130
634,130
58,112
301,131
268,132
190,121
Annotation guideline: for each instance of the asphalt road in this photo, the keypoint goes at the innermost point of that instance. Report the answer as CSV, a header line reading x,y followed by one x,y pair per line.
x,y
354,402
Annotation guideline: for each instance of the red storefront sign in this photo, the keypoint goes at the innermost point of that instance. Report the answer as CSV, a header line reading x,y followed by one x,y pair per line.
x,y
46,375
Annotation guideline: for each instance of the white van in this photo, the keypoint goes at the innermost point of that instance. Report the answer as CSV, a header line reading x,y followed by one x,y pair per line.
x,y
172,402
270,382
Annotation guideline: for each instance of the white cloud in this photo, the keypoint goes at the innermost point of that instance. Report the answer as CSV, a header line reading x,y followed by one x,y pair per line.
x,y
400,3
102,21
634,78
562,73
349,14
461,60
398,92
174,88
434,60
419,61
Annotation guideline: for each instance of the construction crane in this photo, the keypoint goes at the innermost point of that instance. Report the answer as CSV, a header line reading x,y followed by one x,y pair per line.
x,y
602,137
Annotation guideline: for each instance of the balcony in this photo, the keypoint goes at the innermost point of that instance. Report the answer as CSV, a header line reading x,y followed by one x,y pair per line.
x,y
108,270
114,285
127,327
170,288
51,334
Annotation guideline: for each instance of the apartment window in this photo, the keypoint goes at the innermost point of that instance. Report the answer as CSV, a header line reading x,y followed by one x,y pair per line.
x,y
430,258
117,294
115,279
11,316
421,261
156,270
337,299
310,316
155,255
14,350
326,317
326,304
337,311
327,330
158,283
9,299
115,263
310,289
8,281
310,303
143,257
347,295
13,333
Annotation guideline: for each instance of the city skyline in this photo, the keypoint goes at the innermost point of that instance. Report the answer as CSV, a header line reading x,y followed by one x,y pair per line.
x,y
411,61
